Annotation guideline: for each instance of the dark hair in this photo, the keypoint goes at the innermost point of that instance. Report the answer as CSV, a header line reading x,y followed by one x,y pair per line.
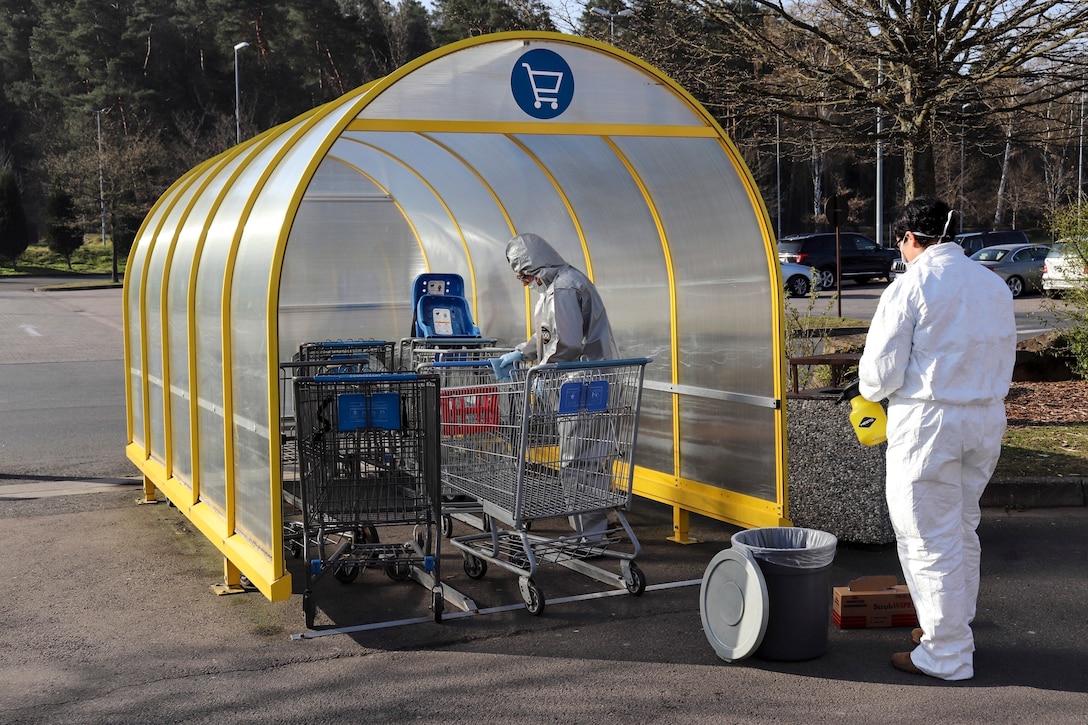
x,y
930,219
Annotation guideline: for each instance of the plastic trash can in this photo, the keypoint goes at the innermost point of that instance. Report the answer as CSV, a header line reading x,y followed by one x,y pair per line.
x,y
770,595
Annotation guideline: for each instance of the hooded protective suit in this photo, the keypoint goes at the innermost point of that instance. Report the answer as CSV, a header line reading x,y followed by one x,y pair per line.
x,y
570,319
570,325
941,349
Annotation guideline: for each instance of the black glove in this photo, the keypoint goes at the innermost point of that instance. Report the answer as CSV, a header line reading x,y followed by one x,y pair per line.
x,y
851,391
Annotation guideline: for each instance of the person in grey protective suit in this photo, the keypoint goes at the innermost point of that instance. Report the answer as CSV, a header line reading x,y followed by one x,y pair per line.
x,y
941,349
571,324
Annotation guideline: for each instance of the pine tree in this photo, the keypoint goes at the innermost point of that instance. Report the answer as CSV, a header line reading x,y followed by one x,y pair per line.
x,y
14,237
62,233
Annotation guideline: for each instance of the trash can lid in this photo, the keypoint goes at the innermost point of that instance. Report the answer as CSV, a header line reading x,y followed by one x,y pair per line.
x,y
733,604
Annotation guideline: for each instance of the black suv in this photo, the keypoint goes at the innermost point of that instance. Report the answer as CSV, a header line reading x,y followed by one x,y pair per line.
x,y
971,243
862,258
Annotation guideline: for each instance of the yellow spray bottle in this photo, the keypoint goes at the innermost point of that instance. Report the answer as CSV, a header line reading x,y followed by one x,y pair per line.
x,y
869,419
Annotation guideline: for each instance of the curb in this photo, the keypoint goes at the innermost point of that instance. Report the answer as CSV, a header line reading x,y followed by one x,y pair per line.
x,y
1032,493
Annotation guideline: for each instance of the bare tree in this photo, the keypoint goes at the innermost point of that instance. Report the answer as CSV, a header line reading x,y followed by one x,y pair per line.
x,y
922,63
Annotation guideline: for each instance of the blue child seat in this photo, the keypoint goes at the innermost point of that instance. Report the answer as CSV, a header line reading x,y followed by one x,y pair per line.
x,y
440,307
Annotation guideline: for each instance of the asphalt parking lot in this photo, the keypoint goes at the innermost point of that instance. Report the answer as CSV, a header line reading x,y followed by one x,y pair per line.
x,y
110,617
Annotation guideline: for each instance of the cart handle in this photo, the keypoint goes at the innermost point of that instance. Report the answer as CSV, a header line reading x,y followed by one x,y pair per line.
x,y
367,377
460,363
579,364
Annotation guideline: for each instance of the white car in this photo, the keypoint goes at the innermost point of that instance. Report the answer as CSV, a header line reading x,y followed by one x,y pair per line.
x,y
797,278
1065,266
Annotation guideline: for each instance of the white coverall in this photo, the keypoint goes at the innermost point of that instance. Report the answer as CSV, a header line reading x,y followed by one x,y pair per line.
x,y
571,324
941,349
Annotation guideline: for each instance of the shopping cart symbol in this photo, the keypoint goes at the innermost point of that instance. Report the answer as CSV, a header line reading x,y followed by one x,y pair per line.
x,y
545,85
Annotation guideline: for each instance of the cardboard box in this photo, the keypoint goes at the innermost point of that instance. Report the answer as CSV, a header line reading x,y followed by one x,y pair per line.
x,y
873,601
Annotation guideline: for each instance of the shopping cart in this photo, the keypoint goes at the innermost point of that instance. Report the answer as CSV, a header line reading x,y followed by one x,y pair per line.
x,y
368,458
545,85
416,351
313,358
355,356
464,414
556,441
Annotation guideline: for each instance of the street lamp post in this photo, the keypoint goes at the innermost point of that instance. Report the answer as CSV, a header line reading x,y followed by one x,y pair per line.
x,y
625,13
102,188
778,170
237,94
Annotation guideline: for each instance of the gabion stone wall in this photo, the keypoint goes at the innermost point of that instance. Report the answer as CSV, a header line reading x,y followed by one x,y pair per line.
x,y
835,483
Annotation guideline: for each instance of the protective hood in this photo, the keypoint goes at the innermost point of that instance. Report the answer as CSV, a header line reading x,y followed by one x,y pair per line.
x,y
531,254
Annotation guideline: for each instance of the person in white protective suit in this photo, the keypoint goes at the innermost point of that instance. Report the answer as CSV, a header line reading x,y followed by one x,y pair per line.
x,y
941,349
571,324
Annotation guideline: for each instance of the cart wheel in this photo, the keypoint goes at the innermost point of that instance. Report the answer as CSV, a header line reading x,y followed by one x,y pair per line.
x,y
309,608
347,573
397,572
533,596
633,578
447,525
438,603
295,549
419,537
475,567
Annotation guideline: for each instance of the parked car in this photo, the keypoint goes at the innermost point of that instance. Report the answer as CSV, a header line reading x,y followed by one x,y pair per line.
x,y
1020,265
972,242
862,258
1065,266
797,278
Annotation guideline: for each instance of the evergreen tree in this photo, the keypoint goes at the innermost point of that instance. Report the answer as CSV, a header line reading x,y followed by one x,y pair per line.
x,y
14,235
62,233
459,19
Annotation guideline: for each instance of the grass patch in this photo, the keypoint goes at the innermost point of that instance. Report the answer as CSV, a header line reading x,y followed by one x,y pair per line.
x,y
1044,451
92,258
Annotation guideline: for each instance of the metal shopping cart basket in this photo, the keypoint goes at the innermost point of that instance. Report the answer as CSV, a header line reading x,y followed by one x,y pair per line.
x,y
359,356
416,351
313,358
558,440
465,414
368,458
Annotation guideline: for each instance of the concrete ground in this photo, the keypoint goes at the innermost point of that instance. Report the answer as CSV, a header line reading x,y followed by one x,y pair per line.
x,y
110,617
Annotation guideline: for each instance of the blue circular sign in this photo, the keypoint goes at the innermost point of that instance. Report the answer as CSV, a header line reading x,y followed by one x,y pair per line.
x,y
542,83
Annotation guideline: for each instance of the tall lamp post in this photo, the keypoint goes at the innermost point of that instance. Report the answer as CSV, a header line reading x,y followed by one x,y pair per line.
x,y
102,187
778,170
237,94
625,13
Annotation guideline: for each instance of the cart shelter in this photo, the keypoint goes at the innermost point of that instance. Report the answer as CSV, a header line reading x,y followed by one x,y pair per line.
x,y
316,229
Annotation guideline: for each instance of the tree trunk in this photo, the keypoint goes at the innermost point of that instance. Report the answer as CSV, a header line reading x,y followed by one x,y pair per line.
x,y
999,211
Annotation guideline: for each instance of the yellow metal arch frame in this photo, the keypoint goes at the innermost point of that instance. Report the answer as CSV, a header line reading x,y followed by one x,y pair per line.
x,y
266,569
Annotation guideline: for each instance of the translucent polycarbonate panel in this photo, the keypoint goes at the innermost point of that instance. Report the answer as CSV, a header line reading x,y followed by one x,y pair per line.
x,y
724,304
251,294
134,279
197,203
348,266
477,83
481,228
721,262
134,336
209,353
153,317
626,252
655,444
728,445
435,225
